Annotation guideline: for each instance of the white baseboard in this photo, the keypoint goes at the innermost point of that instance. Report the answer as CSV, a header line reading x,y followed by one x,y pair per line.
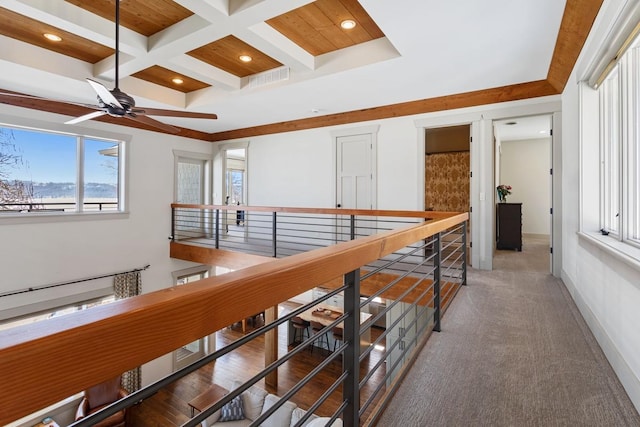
x,y
629,380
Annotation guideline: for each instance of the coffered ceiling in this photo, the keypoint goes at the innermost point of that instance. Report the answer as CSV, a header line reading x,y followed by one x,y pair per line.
x,y
306,70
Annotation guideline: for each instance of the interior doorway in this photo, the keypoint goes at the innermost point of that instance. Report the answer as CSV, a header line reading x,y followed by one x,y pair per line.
x,y
523,150
235,188
355,172
448,172
355,180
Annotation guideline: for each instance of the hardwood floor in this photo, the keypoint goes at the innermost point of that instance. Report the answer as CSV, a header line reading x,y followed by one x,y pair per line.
x,y
169,406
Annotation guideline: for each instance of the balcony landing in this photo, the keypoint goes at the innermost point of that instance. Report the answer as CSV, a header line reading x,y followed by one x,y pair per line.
x,y
514,350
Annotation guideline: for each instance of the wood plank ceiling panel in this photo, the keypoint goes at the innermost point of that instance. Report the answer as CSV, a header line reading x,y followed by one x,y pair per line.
x,y
30,31
163,77
316,26
225,52
143,17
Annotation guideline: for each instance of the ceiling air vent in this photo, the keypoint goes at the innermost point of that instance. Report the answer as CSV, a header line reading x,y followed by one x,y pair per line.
x,y
268,77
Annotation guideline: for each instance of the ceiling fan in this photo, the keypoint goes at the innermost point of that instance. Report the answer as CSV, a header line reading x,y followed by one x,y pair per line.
x,y
116,103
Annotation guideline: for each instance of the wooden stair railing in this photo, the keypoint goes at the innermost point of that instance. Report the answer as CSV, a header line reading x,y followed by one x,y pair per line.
x,y
48,361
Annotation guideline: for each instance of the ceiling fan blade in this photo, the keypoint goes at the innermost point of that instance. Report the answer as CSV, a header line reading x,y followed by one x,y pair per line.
x,y
104,94
20,95
17,96
85,117
152,122
174,113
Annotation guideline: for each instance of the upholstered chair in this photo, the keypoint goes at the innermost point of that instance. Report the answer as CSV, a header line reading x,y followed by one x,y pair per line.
x,y
99,396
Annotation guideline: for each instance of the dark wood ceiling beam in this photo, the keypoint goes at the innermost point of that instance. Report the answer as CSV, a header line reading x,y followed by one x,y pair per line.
x,y
576,24
449,102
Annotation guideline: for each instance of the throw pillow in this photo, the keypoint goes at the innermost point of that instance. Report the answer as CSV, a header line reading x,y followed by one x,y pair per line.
x,y
232,411
252,402
297,415
282,415
323,422
213,418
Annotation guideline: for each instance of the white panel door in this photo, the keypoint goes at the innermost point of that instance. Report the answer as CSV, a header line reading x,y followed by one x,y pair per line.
x,y
354,179
355,171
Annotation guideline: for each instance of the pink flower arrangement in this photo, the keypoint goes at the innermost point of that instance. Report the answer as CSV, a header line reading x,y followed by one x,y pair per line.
x,y
503,192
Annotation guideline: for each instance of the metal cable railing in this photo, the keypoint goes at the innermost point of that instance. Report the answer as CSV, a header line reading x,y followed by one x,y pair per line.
x,y
405,289
435,266
272,234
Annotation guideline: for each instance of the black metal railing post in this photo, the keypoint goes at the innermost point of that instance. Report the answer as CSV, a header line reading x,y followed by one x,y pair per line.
x,y
274,235
352,225
464,253
217,236
173,224
351,361
437,279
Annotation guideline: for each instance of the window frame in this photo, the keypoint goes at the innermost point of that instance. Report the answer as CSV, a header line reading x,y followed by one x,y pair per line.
x,y
56,311
79,213
180,156
619,109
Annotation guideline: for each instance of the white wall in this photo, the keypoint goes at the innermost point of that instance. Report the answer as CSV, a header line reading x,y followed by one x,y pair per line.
x,y
41,253
298,168
525,165
291,169
604,285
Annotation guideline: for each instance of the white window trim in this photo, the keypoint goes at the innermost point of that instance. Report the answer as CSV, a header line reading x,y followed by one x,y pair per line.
x,y
175,275
591,203
620,250
87,133
191,155
626,168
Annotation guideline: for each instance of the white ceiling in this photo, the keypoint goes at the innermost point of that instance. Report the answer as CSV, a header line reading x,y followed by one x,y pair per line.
x,y
520,128
433,48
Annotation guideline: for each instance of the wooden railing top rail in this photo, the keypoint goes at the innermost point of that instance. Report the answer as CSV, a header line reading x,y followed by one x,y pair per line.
x,y
48,361
319,211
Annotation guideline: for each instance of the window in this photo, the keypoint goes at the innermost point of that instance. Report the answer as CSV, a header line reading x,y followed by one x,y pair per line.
x,y
193,351
59,311
235,180
190,181
619,153
43,171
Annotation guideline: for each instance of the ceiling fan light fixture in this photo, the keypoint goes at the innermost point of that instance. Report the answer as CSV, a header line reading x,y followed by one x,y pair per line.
x,y
52,37
348,24
116,103
177,80
245,58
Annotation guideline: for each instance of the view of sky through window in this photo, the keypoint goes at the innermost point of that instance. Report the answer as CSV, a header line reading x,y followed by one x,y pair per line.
x,y
38,166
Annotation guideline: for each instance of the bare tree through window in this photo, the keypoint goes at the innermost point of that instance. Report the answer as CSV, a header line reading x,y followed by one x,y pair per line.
x,y
12,191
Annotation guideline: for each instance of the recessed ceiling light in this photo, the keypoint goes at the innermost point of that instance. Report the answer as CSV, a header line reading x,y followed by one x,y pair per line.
x,y
511,123
245,58
177,80
348,24
52,37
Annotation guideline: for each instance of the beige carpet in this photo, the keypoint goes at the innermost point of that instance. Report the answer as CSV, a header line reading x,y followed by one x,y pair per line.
x,y
513,351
